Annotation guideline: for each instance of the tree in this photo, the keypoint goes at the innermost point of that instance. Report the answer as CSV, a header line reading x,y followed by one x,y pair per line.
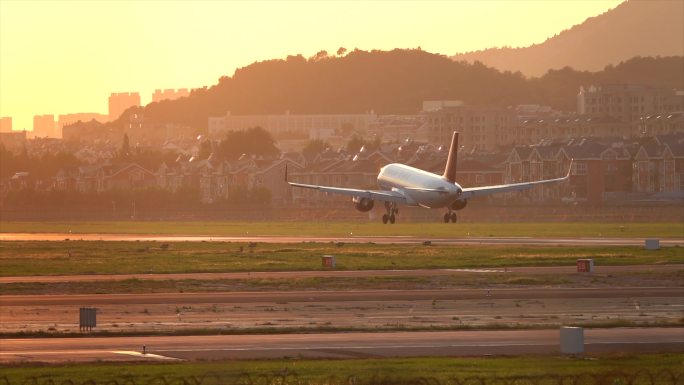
x,y
253,141
320,55
341,51
125,147
354,144
357,142
205,149
314,147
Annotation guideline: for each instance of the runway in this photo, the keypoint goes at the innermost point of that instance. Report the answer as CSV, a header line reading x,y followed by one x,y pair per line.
x,y
350,239
338,273
339,345
337,296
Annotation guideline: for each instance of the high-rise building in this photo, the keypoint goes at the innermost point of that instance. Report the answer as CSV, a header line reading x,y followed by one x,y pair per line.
x,y
6,124
45,126
120,102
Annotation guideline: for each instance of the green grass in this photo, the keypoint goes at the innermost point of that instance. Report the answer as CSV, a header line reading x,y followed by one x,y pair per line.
x,y
139,286
22,258
396,370
269,328
344,229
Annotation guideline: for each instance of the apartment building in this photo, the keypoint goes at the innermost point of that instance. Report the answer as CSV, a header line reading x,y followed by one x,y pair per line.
x,y
482,128
628,102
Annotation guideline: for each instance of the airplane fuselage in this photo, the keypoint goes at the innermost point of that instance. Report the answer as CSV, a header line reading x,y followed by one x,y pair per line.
x,y
421,188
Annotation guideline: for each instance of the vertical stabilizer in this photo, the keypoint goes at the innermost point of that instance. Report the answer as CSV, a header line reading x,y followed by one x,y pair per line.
x,y
450,169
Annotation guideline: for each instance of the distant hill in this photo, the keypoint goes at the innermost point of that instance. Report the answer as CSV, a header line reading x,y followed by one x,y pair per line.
x,y
392,82
634,28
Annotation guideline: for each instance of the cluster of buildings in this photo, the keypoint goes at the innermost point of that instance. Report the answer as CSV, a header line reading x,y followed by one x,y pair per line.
x,y
618,110
621,110
47,126
603,171
626,140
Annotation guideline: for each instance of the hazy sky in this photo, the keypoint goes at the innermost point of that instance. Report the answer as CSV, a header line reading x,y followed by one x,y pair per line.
x,y
60,57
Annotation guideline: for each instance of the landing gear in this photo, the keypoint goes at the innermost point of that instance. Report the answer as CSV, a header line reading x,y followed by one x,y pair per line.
x,y
450,216
392,210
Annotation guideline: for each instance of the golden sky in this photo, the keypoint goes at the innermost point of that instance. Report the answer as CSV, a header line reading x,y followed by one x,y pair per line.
x,y
60,57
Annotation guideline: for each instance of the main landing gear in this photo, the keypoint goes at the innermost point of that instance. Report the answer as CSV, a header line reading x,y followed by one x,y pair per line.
x,y
392,210
450,216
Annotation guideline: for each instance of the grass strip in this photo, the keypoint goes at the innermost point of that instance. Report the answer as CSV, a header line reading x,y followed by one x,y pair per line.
x,y
673,278
26,258
361,371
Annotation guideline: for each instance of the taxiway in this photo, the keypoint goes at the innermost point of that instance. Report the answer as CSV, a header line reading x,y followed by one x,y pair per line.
x,y
338,345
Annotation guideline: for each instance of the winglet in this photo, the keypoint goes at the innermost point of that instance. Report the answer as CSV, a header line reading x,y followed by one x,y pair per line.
x,y
572,160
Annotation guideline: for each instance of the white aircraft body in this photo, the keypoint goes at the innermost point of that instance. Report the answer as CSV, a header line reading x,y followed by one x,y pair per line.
x,y
405,185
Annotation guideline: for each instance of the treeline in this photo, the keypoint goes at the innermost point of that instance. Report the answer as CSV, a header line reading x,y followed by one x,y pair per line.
x,y
393,82
39,166
129,200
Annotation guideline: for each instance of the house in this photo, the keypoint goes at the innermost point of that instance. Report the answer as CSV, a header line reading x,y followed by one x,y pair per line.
x,y
597,169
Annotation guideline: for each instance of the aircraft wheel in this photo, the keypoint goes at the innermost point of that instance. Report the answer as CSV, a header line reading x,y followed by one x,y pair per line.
x,y
446,218
385,218
454,218
392,218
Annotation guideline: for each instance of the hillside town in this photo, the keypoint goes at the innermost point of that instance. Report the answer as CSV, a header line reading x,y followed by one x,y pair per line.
x,y
627,143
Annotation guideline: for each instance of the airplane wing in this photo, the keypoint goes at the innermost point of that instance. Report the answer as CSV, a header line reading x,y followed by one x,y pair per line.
x,y
472,192
380,195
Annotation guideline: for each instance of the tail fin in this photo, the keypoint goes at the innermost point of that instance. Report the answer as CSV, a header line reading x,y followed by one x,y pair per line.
x,y
450,169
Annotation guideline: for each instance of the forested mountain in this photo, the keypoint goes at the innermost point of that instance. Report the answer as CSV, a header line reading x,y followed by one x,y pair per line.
x,y
392,82
634,28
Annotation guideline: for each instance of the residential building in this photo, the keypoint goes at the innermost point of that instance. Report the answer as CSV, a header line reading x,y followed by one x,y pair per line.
x,y
628,102
532,130
660,124
659,165
482,128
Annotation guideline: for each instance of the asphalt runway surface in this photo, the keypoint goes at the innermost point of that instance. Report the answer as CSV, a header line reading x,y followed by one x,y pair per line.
x,y
336,296
338,345
350,239
338,273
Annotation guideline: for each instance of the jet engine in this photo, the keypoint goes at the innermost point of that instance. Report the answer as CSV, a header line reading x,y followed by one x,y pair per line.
x,y
363,204
459,204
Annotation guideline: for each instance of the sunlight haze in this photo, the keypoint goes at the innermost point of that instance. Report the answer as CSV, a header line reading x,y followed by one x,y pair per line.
x,y
60,57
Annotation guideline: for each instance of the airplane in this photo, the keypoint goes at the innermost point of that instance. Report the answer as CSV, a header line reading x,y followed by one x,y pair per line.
x,y
406,185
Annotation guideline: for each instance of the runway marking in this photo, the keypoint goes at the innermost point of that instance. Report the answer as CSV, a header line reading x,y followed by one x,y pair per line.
x,y
144,355
477,270
342,347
